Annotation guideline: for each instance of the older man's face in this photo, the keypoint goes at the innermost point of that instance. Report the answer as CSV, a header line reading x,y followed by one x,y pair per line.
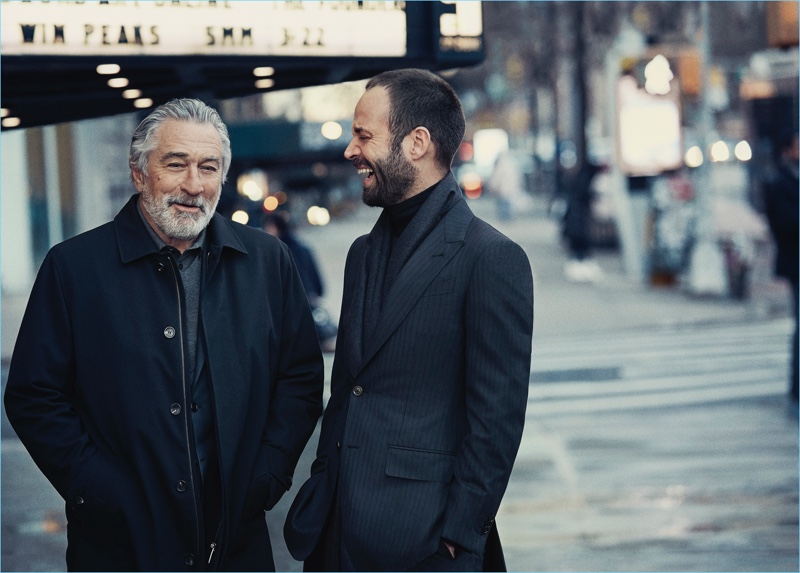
x,y
182,186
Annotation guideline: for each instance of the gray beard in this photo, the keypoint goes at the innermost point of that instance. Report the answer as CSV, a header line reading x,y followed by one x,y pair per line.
x,y
179,226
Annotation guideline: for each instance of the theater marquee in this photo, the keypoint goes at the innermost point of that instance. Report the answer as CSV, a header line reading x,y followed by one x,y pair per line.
x,y
70,60
233,28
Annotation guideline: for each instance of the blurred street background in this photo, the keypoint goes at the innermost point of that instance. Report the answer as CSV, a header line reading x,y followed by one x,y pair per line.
x,y
625,146
658,438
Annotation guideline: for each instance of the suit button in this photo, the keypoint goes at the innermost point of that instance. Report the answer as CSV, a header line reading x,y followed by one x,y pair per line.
x,y
175,409
181,486
169,332
161,267
78,500
195,407
358,390
338,445
188,559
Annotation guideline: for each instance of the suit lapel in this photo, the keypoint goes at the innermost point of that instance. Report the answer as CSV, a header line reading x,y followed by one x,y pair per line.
x,y
428,260
352,318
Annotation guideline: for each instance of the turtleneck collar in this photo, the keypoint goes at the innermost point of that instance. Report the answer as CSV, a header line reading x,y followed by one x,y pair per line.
x,y
400,214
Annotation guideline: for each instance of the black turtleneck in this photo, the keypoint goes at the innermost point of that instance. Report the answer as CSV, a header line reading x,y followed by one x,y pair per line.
x,y
400,214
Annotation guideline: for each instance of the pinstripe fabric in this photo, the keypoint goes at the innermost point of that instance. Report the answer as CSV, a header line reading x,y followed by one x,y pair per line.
x,y
428,439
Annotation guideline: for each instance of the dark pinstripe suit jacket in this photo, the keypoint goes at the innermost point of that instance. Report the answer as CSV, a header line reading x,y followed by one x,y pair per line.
x,y
422,431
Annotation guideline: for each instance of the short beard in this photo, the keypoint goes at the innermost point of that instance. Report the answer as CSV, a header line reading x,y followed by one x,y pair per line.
x,y
178,226
394,176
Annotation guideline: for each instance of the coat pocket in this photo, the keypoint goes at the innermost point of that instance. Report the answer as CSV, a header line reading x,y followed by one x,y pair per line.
x,y
265,488
102,502
440,286
423,465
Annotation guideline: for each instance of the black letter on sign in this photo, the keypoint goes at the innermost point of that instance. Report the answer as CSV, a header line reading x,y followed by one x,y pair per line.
x,y
28,32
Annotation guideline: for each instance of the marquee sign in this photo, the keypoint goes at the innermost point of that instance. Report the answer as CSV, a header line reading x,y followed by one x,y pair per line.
x,y
232,28
70,60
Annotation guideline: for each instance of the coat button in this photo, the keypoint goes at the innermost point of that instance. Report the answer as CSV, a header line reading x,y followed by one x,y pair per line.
x,y
169,332
175,409
188,559
161,267
181,487
358,390
78,500
195,407
338,445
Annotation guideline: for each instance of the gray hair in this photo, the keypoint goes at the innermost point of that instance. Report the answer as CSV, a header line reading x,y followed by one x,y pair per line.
x,y
144,140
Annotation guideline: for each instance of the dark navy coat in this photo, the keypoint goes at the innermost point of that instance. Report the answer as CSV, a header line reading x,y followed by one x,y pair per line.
x,y
782,208
96,392
421,431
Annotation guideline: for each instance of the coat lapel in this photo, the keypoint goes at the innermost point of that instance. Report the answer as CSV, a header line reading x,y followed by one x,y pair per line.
x,y
430,258
352,315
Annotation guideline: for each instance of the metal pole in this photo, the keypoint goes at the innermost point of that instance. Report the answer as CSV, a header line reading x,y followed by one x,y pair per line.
x,y
630,241
52,185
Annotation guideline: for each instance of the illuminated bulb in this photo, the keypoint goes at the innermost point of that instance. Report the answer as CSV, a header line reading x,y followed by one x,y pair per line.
x,y
240,217
658,75
318,215
264,71
270,203
720,152
252,190
108,69
265,83
331,130
694,157
118,82
143,102
132,94
11,121
3,112
742,151
471,182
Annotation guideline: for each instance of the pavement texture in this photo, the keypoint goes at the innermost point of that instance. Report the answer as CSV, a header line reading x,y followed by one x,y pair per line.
x,y
699,485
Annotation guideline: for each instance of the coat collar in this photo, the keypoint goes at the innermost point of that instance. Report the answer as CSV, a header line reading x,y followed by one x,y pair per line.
x,y
438,248
134,241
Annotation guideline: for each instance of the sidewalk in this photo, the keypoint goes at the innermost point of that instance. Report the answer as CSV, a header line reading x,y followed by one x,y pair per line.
x,y
576,501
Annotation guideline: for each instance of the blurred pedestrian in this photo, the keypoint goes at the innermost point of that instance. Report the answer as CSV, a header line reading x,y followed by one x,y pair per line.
x,y
277,225
165,401
430,379
581,266
505,184
781,203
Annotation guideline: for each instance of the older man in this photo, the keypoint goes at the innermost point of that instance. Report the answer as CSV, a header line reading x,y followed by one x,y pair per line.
x,y
430,378
167,373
